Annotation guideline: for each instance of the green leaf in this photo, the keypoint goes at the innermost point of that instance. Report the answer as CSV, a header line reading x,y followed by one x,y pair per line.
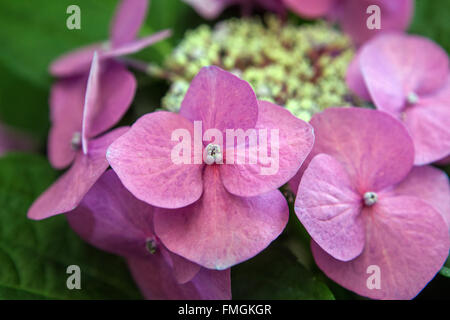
x,y
34,255
431,20
276,274
445,271
23,105
33,33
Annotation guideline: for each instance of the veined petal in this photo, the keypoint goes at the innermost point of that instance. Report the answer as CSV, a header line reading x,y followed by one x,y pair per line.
x,y
142,158
407,243
183,270
429,184
355,79
374,147
68,191
129,16
330,209
280,160
221,229
220,100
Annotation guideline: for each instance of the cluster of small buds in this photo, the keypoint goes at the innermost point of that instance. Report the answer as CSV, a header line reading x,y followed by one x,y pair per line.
x,y
299,67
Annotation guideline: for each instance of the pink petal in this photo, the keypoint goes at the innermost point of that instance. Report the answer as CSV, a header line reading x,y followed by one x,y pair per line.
x,y
444,161
395,16
129,16
429,184
112,219
310,8
395,65
183,270
75,62
90,101
355,80
220,100
136,45
142,160
221,230
375,148
429,125
66,112
68,191
115,94
295,141
209,9
329,208
406,238
154,278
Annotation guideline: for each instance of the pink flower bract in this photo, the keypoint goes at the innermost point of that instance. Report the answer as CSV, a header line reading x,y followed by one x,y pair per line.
x,y
112,219
352,14
363,205
226,213
408,77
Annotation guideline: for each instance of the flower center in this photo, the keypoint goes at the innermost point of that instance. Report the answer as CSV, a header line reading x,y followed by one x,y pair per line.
x,y
151,246
370,198
412,98
76,141
213,154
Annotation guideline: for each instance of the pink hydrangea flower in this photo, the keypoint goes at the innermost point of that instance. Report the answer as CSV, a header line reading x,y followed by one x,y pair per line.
x,y
89,154
112,219
116,89
211,9
408,77
365,206
225,213
352,14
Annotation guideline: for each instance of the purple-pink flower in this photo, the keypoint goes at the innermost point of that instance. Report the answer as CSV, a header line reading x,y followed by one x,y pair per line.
x,y
116,87
352,15
408,77
224,212
112,219
86,148
366,207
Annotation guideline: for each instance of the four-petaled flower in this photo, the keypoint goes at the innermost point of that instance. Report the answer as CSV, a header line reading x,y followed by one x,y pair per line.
x,y
408,77
225,213
364,204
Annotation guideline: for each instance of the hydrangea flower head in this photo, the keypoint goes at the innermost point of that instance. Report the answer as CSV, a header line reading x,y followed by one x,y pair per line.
x,y
408,77
352,14
226,209
85,147
112,219
364,205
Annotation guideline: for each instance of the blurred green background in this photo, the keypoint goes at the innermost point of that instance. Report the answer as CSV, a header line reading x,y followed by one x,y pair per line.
x,y
34,255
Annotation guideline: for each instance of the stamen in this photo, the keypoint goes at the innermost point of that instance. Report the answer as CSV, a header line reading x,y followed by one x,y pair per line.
x,y
76,141
151,246
370,198
213,154
412,98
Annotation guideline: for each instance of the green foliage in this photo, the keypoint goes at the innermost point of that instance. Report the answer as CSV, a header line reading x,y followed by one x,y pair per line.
x,y
431,20
34,255
276,274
